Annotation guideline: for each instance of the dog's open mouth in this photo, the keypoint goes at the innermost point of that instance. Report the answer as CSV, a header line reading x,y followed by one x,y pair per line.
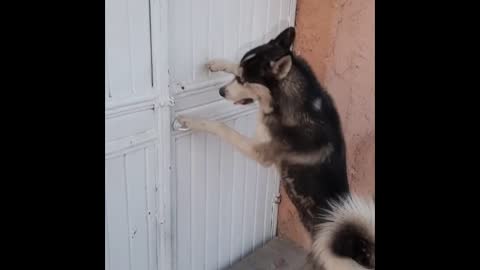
x,y
244,101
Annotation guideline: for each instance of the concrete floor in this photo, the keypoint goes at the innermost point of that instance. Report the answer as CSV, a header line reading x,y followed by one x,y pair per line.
x,y
277,254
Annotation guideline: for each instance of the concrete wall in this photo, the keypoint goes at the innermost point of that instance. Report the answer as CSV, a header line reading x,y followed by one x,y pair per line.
x,y
337,37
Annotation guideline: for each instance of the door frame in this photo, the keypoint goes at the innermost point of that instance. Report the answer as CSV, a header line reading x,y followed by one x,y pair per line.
x,y
163,104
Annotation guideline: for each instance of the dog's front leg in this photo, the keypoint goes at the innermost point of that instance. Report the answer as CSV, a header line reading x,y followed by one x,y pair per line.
x,y
223,65
245,145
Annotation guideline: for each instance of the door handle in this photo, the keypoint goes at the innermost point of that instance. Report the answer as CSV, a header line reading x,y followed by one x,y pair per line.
x,y
179,127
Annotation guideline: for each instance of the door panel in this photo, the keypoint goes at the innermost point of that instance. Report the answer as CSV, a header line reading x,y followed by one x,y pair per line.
x,y
224,202
161,185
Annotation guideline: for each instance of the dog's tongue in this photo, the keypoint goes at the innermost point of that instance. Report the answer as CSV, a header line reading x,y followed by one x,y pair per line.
x,y
244,101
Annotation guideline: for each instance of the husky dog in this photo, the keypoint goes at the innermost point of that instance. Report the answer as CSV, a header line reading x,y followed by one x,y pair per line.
x,y
299,132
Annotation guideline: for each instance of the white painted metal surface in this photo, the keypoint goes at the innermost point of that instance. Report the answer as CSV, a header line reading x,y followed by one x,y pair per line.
x,y
177,200
204,29
128,57
130,210
137,136
223,203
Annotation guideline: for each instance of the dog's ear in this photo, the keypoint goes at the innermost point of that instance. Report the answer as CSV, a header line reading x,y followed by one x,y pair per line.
x,y
285,39
282,66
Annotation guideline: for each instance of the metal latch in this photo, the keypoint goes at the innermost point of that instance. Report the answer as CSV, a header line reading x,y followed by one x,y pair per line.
x,y
179,127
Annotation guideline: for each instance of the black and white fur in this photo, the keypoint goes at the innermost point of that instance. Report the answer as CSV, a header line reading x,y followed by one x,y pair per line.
x,y
299,132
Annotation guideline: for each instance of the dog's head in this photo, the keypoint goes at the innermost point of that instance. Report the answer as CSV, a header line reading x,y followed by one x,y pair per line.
x,y
260,69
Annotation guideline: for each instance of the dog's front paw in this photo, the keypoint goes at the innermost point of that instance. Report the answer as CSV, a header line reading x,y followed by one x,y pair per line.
x,y
197,124
187,122
265,154
216,65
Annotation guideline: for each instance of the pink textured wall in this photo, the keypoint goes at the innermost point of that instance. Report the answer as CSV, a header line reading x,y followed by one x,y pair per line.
x,y
337,37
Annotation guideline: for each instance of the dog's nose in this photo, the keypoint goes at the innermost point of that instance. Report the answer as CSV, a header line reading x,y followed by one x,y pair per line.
x,y
222,91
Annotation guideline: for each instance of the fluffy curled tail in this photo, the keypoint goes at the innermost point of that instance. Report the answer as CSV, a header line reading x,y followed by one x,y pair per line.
x,y
346,237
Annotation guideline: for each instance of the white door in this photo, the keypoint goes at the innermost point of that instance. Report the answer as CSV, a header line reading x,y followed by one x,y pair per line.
x,y
177,200
137,129
223,203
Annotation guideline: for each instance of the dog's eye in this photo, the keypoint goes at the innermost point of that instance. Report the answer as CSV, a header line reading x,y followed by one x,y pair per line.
x,y
239,80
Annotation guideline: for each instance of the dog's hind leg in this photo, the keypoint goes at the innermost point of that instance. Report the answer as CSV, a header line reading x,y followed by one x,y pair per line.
x,y
247,146
223,65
